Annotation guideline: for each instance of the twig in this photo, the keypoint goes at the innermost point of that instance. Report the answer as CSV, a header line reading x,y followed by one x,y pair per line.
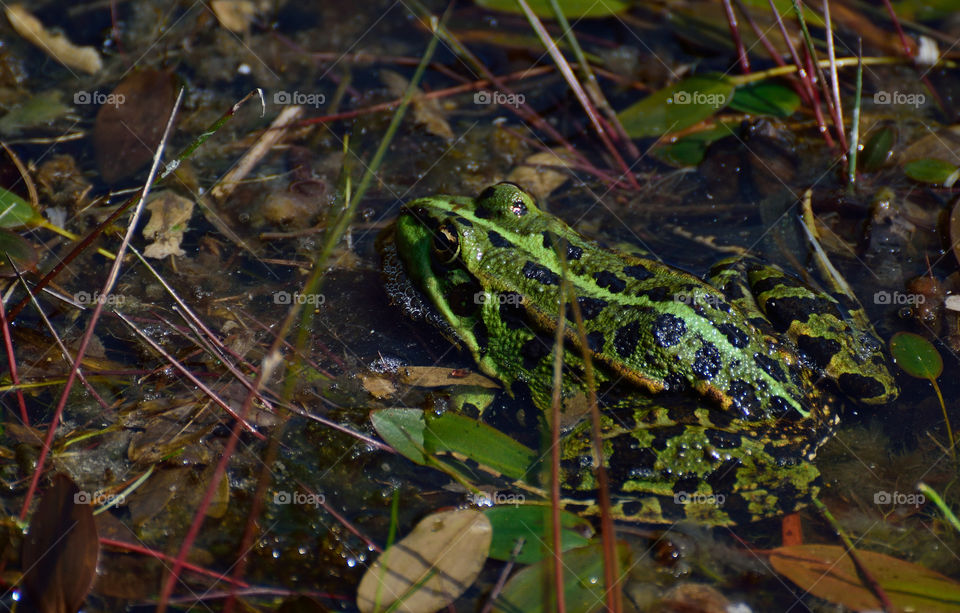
x,y
98,309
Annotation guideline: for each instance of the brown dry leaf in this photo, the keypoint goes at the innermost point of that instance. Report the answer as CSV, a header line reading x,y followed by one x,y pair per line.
x,y
430,567
221,497
426,112
828,572
436,376
378,386
538,173
234,15
131,121
60,550
170,213
56,46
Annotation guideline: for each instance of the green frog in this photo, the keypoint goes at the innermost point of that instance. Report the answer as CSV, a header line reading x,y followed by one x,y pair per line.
x,y
762,355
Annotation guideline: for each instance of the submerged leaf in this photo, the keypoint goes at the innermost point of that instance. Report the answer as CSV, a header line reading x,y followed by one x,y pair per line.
x,y
15,212
131,121
430,567
60,551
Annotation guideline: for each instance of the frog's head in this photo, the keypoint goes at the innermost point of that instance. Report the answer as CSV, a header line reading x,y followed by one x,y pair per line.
x,y
442,231
443,241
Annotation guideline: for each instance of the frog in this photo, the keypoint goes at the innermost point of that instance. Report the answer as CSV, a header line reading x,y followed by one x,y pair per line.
x,y
715,393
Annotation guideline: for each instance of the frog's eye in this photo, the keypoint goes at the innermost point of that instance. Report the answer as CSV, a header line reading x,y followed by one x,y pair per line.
x,y
446,243
519,198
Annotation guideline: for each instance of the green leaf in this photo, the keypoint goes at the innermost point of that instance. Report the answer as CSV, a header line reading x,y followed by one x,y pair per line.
x,y
582,583
531,522
676,107
572,9
828,572
916,355
402,429
765,98
878,149
15,212
930,170
479,442
18,249
690,150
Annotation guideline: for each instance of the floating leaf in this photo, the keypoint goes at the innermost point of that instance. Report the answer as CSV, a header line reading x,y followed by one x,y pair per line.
x,y
878,149
582,583
676,107
765,98
412,432
481,443
531,523
930,170
430,567
15,212
18,249
828,572
402,429
916,355
60,550
571,9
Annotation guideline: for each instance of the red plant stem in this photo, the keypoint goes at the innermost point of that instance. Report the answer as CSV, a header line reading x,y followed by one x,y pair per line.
x,y
213,396
735,33
818,112
108,542
804,76
12,359
97,310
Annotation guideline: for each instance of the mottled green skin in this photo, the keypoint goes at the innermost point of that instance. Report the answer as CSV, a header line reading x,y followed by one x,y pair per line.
x,y
649,328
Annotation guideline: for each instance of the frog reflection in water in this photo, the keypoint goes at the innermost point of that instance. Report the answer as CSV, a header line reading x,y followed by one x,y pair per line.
x,y
749,344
